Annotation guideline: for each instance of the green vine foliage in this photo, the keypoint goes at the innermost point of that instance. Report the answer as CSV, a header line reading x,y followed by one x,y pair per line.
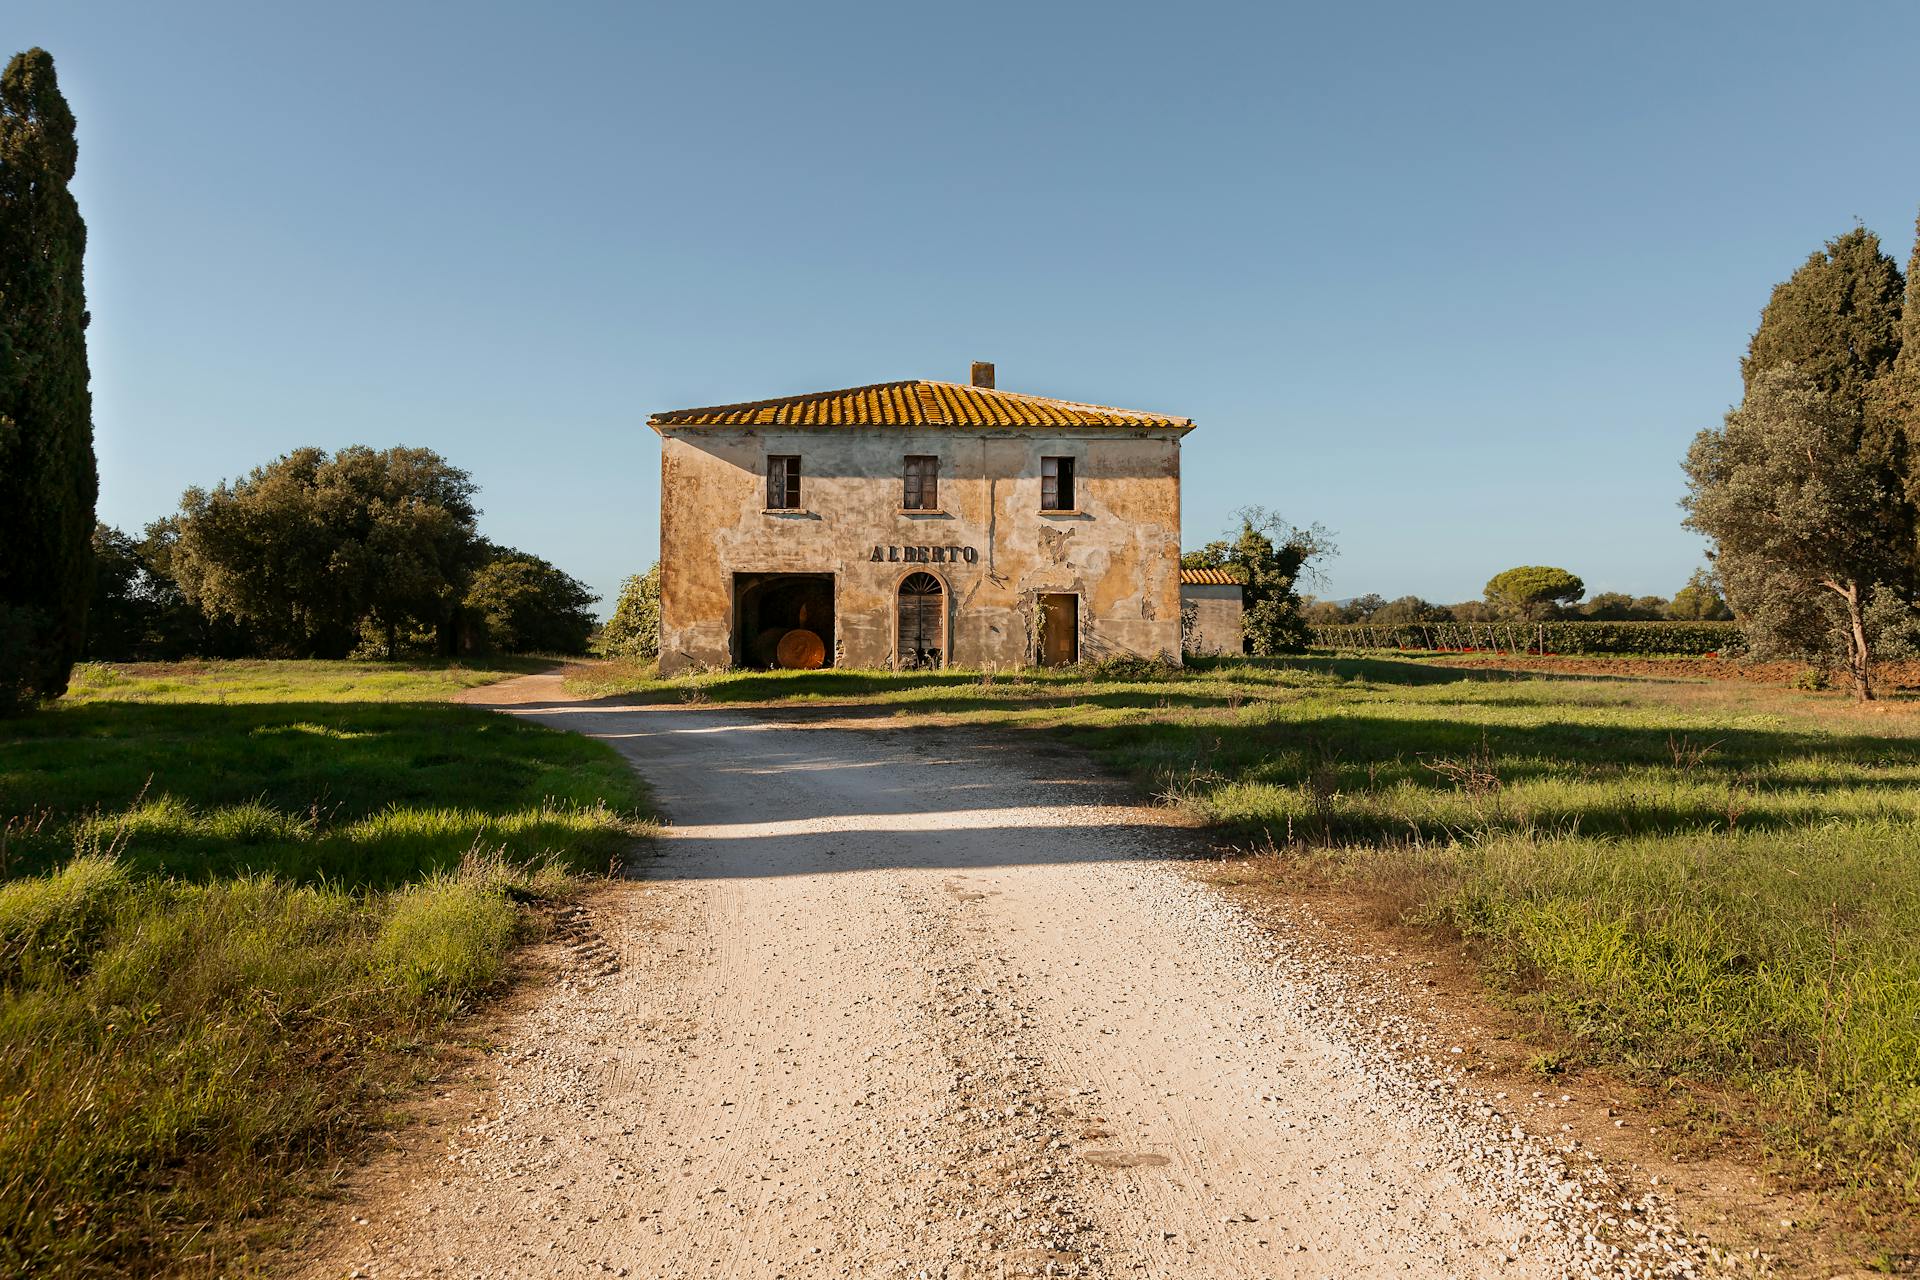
x,y
1641,639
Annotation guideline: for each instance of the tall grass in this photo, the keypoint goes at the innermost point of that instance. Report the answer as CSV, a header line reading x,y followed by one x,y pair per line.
x,y
1785,963
175,1057
234,930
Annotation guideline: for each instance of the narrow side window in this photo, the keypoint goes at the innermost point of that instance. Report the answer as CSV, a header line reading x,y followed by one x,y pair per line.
x,y
783,481
922,483
1056,484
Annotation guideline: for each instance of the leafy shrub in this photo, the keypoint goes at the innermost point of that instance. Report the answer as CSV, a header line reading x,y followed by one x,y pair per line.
x,y
1130,669
1701,600
634,629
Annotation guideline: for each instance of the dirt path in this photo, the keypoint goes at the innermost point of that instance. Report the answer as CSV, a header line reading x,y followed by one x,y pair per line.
x,y
920,1003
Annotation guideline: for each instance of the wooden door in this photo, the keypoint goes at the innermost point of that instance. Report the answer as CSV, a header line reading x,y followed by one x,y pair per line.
x,y
923,607
1059,630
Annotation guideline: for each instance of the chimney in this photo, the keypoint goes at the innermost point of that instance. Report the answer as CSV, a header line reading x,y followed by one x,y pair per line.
x,y
983,374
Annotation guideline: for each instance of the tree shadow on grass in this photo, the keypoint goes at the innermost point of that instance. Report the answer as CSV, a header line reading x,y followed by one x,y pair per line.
x,y
357,793
1203,681
955,701
379,793
1599,780
1352,776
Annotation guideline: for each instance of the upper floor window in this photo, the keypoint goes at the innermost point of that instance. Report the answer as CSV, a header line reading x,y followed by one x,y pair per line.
x,y
1056,484
923,483
783,482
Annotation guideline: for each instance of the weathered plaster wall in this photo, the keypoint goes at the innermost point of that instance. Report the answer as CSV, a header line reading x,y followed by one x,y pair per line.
x,y
1119,551
1217,618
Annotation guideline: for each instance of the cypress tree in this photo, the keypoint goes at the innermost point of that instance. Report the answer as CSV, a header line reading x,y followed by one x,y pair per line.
x,y
1837,318
1896,395
48,480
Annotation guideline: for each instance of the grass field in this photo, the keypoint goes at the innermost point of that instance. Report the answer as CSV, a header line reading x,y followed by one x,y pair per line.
x,y
286,681
238,904
1692,881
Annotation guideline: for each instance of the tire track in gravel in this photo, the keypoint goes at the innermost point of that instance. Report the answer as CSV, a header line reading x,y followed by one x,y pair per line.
x,y
921,1003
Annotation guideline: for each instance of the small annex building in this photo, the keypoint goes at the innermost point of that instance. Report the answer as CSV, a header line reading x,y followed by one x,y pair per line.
x,y
1212,610
917,524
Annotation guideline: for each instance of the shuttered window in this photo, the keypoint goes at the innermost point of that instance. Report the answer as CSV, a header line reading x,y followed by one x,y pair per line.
x,y
783,482
922,483
1056,484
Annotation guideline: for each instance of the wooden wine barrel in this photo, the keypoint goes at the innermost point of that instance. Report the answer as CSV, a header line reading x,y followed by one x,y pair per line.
x,y
801,650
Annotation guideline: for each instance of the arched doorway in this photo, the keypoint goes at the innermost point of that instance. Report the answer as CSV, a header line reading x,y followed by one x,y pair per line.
x,y
923,623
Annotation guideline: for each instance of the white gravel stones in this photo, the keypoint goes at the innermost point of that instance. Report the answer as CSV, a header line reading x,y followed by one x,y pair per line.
x,y
888,1005
1519,1173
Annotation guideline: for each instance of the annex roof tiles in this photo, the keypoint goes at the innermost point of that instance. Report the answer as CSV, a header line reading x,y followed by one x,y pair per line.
x,y
915,403
1208,578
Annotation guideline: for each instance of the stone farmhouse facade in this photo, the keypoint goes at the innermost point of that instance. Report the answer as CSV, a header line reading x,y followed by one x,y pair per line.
x,y
917,524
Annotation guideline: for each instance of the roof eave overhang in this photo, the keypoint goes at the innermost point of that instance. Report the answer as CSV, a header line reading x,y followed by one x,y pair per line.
x,y
1181,426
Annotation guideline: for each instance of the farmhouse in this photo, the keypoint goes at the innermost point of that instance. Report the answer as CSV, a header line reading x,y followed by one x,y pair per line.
x,y
917,524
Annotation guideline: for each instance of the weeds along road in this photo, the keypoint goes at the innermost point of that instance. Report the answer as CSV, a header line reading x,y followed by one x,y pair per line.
x,y
923,1002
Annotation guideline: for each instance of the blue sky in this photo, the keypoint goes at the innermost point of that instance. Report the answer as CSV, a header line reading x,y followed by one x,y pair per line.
x,y
1459,282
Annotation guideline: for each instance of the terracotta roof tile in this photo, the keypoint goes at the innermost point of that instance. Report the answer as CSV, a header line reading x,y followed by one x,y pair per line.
x,y
1208,578
920,402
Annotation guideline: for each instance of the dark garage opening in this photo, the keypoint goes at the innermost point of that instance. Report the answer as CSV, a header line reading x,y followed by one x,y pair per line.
x,y
783,620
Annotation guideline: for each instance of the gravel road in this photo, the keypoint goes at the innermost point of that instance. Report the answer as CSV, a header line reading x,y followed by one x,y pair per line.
x,y
925,1002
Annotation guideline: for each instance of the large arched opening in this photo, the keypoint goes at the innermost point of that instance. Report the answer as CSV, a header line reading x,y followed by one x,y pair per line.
x,y
783,620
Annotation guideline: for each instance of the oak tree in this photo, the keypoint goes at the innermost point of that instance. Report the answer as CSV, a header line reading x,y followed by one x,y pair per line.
x,y
1700,600
311,548
1806,532
525,605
